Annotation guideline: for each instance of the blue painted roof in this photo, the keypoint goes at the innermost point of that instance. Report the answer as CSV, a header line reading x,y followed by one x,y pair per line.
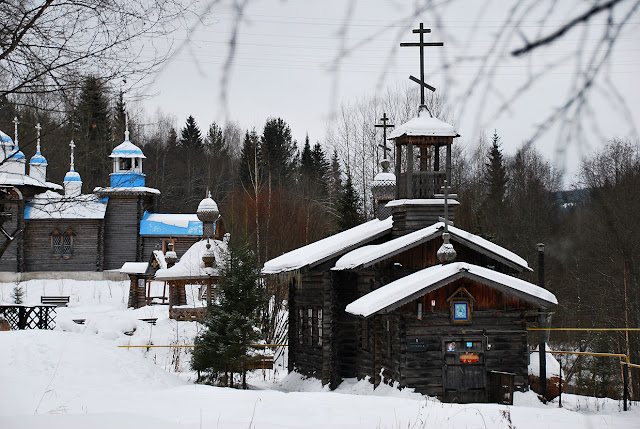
x,y
170,224
38,159
126,149
16,154
4,138
72,176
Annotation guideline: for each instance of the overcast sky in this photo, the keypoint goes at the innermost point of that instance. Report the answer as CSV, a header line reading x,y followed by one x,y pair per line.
x,y
298,60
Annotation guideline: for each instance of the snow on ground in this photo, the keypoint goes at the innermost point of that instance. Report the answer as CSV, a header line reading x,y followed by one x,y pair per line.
x,y
77,377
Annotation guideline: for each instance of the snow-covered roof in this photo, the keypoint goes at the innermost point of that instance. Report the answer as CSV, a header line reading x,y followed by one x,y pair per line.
x,y
134,267
424,125
321,250
384,177
16,179
16,155
207,204
5,139
38,158
131,190
191,266
170,224
422,202
126,149
408,288
51,205
369,255
162,263
72,176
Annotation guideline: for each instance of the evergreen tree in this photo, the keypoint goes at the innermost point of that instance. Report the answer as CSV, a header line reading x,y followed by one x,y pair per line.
x,y
305,158
91,123
249,154
215,142
348,207
278,152
335,176
496,172
320,165
231,324
191,137
120,120
17,294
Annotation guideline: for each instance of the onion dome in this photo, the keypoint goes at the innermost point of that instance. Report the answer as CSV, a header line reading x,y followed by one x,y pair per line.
x,y
383,189
208,210
446,252
384,177
38,159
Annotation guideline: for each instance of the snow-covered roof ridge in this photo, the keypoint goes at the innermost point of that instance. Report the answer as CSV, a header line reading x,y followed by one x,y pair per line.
x,y
424,125
191,266
131,190
408,288
51,205
326,248
369,255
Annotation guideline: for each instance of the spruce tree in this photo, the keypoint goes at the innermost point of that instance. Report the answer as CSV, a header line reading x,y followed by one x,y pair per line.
x,y
348,207
249,154
215,141
17,294
191,137
231,325
496,172
278,152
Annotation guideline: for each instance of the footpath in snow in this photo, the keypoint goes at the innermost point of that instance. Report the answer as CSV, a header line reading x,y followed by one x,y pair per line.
x,y
77,377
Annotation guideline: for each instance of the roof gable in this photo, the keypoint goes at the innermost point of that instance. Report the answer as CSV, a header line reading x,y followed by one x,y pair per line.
x,y
369,255
406,289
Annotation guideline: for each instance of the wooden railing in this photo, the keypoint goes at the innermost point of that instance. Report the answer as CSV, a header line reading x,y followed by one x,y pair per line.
x,y
425,184
29,317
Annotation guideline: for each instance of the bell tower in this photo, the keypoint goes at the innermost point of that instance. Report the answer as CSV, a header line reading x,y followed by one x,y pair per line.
x,y
127,164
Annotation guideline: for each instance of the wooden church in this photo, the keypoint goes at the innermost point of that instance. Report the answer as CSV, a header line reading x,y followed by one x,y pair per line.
x,y
49,230
410,299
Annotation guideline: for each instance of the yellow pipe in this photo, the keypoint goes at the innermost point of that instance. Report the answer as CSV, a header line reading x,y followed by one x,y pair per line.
x,y
583,329
620,355
252,345
632,365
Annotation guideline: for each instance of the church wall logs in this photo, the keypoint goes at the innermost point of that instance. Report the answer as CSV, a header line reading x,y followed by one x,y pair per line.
x,y
121,232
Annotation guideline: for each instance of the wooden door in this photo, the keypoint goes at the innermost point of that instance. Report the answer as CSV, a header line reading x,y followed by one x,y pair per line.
x,y
464,373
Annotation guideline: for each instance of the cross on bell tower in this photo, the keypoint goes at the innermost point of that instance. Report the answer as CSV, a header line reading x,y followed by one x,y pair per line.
x,y
72,145
384,127
421,44
15,131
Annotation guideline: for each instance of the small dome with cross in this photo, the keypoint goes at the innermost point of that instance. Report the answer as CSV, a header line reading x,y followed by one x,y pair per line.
x,y
127,164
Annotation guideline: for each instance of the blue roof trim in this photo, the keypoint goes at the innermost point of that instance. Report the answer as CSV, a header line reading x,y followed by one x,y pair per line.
x,y
38,159
148,227
127,179
16,154
72,176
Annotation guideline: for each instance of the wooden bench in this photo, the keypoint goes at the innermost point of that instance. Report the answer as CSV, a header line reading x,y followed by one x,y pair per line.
x,y
79,321
263,362
58,301
150,320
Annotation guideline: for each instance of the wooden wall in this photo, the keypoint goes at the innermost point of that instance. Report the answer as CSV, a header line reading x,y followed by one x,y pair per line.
x,y
9,261
38,253
497,319
121,232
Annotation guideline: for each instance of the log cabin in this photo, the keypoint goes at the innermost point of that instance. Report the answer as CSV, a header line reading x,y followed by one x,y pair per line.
x,y
409,299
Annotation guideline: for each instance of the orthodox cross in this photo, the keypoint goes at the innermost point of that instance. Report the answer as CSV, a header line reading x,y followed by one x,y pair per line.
x,y
421,45
38,128
72,145
384,127
15,131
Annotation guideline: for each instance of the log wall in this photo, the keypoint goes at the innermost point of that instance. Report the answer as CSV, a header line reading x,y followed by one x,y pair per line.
x,y
38,251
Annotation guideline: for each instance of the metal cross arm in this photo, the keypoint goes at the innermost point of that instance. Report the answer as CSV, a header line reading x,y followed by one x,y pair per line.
x,y
421,83
384,125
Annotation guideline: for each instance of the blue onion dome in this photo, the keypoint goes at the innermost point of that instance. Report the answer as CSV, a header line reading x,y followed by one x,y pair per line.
x,y
16,154
72,176
38,159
